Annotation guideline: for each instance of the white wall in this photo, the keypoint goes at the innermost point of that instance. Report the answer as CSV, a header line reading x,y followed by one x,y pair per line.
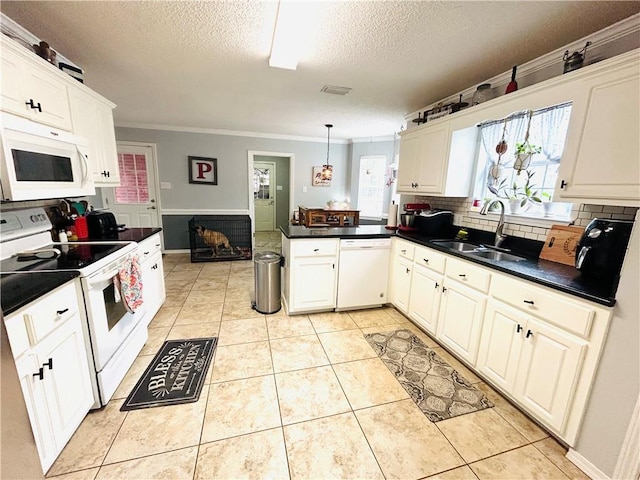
x,y
232,191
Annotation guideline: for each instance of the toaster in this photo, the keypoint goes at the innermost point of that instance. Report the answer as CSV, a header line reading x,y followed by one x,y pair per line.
x,y
102,225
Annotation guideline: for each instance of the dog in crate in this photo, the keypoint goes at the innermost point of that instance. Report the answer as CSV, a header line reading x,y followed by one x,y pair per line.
x,y
213,239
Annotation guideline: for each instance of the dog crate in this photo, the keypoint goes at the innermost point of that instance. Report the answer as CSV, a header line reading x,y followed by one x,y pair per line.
x,y
214,238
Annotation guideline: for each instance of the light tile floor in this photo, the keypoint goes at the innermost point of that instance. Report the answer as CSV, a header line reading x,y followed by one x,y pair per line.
x,y
295,397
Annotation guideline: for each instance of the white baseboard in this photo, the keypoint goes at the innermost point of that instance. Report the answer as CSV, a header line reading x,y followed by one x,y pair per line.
x,y
585,465
183,250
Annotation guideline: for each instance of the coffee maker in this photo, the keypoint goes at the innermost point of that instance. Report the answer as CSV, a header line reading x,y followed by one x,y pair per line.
x,y
601,249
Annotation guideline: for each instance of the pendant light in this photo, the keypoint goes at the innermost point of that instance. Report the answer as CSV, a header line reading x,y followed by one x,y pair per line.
x,y
327,168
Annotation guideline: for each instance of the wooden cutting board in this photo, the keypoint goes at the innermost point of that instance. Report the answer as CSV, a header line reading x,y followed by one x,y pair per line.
x,y
561,244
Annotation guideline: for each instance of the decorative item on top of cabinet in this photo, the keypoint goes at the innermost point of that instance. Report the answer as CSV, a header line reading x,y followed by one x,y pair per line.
x,y
600,159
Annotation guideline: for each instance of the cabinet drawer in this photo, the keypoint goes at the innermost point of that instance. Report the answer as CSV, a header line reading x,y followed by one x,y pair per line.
x,y
552,307
148,247
45,315
467,274
406,249
314,248
430,259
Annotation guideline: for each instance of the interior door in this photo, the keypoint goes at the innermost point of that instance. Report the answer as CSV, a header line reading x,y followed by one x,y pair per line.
x,y
264,198
134,202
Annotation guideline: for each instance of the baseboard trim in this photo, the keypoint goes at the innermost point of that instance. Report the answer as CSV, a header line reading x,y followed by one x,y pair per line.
x,y
585,465
178,250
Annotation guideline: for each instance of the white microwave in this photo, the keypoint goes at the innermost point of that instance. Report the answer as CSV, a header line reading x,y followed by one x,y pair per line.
x,y
40,162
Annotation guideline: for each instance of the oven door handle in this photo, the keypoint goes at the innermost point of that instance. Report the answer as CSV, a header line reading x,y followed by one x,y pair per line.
x,y
93,281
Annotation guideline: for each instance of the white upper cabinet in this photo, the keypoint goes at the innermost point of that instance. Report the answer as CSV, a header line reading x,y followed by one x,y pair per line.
x,y
601,159
436,161
29,90
33,89
92,118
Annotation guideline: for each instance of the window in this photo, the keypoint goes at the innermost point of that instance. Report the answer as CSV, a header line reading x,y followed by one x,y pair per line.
x,y
371,185
541,133
134,187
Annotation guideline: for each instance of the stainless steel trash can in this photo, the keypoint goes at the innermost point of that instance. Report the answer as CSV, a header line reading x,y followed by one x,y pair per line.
x,y
267,282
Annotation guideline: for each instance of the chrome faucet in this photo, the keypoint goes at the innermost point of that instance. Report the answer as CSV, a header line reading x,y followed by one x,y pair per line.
x,y
500,237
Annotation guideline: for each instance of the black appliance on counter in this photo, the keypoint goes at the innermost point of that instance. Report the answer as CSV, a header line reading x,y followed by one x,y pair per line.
x,y
102,225
434,223
601,249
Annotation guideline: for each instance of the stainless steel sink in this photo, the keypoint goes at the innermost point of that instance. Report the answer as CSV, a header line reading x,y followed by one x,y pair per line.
x,y
494,255
455,245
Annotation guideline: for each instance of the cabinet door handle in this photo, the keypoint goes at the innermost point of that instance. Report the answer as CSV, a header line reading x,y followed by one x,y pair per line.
x,y
529,334
563,184
403,251
444,289
108,173
155,266
408,270
34,106
519,328
60,312
151,208
426,260
462,275
146,253
316,249
530,302
437,285
333,265
48,364
40,374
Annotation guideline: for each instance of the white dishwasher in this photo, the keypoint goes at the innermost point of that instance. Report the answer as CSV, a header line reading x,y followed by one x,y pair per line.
x,y
363,273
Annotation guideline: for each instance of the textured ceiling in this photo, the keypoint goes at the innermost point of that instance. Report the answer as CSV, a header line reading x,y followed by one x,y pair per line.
x,y
205,64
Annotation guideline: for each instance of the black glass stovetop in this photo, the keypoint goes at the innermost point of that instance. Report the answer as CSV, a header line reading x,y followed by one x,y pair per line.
x,y
73,256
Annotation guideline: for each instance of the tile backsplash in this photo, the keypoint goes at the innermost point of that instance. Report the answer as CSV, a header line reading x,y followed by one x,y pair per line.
x,y
461,209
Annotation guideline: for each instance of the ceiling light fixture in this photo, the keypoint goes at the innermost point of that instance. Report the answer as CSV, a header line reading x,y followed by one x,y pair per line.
x,y
289,35
327,168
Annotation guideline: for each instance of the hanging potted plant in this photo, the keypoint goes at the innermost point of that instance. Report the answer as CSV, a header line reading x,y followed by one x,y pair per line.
x,y
524,152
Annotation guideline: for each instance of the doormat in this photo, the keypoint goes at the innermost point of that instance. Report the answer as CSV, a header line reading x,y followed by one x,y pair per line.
x,y
436,387
175,375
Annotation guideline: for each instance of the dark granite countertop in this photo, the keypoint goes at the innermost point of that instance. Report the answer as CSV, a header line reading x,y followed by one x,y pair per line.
x,y
133,234
564,278
363,231
19,289
557,276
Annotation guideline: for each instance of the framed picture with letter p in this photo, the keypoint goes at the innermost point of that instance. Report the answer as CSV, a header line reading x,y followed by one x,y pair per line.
x,y
203,170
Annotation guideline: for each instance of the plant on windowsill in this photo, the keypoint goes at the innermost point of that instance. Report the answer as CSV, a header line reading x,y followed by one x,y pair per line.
x,y
517,195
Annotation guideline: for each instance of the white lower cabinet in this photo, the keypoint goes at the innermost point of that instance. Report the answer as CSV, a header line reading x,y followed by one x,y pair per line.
x,y
153,293
460,320
47,342
534,361
402,271
537,346
310,274
424,299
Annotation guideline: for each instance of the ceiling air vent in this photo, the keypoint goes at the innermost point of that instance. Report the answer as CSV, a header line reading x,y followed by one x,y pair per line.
x,y
335,90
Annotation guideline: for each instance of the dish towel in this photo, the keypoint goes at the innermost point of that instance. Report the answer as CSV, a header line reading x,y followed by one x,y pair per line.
x,y
128,283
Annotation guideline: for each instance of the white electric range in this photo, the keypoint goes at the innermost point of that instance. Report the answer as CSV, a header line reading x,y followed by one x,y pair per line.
x,y
113,335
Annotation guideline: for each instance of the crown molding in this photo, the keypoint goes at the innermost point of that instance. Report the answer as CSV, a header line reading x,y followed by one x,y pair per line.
x,y
231,133
384,138
627,26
